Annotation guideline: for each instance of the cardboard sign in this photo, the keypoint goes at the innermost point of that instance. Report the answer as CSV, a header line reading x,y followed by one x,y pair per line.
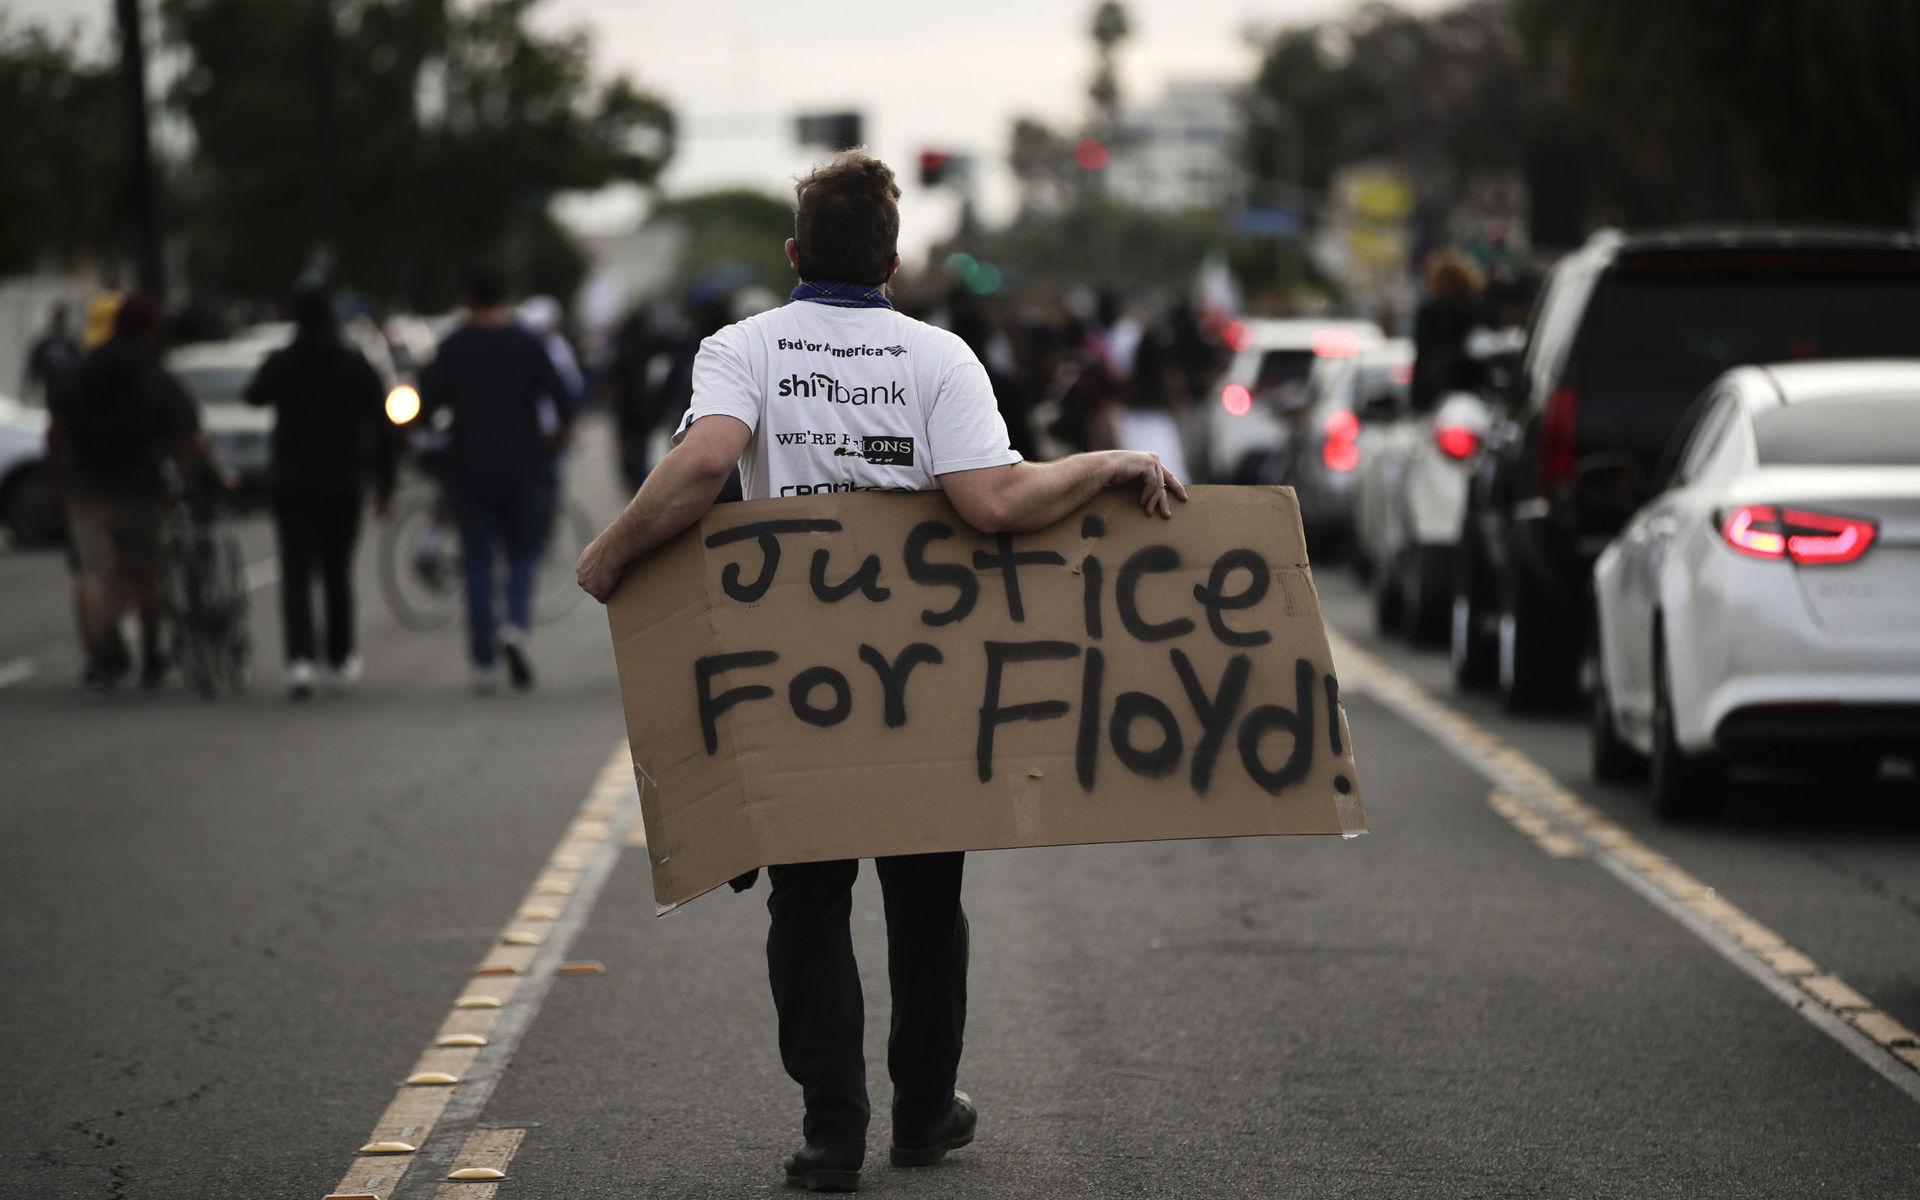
x,y
855,675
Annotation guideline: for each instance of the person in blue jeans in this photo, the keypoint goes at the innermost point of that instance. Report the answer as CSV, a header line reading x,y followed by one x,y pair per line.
x,y
510,415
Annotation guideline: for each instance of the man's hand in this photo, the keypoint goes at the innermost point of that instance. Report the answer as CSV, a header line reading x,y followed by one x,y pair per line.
x,y
1024,496
1156,482
599,569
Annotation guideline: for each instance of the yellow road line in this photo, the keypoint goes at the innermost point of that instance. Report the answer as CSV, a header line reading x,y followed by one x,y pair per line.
x,y
513,964
1530,798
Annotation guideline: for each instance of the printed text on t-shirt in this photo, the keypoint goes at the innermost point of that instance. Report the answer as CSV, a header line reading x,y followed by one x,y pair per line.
x,y
841,351
819,385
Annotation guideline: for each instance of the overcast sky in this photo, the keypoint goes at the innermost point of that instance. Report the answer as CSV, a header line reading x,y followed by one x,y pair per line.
x,y
949,74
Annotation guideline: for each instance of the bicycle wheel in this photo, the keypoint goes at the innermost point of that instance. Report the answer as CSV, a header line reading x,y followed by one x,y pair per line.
x,y
419,563
556,593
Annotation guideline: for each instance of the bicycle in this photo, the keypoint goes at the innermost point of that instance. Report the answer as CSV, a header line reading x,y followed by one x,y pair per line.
x,y
207,599
423,578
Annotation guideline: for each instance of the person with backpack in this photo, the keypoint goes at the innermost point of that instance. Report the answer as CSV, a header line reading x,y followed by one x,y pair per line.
x,y
119,419
330,438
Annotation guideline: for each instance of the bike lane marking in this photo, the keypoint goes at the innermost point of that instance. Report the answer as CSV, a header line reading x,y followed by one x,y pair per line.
x,y
477,1039
1562,824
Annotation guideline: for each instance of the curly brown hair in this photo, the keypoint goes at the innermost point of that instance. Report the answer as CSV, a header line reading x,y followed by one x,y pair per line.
x,y
847,225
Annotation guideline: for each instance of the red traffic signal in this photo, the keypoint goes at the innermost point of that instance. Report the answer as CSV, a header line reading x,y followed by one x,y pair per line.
x,y
933,167
1090,153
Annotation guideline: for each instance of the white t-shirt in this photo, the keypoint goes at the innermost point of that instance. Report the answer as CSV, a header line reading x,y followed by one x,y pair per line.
x,y
847,400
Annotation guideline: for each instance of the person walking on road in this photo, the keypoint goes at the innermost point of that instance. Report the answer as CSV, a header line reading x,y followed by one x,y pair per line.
x,y
844,251
494,378
119,420
329,438
54,358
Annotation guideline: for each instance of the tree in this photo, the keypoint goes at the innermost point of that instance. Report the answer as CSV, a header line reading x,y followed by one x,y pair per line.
x,y
1744,110
61,194
393,141
1445,96
1109,28
736,238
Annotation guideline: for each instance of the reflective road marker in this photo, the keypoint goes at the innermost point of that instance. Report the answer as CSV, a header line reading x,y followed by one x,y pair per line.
x,y
438,1108
1529,796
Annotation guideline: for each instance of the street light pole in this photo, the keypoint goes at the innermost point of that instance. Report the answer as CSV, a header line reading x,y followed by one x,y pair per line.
x,y
143,190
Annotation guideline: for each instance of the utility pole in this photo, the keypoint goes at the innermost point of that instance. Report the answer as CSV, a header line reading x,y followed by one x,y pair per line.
x,y
143,189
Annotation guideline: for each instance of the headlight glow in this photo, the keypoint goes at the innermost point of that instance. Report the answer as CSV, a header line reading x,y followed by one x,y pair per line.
x,y
403,404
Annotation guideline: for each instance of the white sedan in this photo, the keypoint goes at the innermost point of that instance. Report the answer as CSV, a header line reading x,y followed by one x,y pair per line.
x,y
1765,605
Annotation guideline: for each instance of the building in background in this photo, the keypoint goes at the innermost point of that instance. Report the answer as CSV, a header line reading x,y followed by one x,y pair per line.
x,y
1181,151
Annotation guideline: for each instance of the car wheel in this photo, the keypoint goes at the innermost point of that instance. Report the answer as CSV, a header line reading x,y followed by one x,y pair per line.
x,y
1387,600
1685,787
1427,594
1611,759
1539,664
1473,652
25,510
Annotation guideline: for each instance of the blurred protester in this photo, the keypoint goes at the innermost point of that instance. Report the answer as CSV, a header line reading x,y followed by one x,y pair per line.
x,y
122,416
642,356
1440,327
495,378
1151,403
967,318
53,359
541,315
330,437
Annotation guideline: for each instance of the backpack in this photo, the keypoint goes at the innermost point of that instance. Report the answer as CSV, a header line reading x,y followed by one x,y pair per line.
x,y
110,415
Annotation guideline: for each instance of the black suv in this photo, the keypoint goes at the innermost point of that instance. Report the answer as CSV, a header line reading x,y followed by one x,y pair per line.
x,y
1625,334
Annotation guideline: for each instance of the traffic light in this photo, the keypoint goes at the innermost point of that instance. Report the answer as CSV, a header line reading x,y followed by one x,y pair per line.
x,y
834,130
933,167
1090,153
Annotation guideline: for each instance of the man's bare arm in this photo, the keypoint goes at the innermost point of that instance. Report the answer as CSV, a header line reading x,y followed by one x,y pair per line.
x,y
1025,496
677,494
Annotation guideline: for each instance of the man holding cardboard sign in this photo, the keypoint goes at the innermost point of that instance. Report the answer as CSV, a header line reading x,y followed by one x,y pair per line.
x,y
838,393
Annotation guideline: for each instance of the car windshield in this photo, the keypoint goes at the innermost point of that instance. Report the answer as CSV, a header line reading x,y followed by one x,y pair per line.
x,y
1677,332
215,385
1383,379
1860,431
1279,367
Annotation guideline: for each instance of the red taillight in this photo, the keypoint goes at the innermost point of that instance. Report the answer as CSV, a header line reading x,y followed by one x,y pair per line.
x,y
1556,438
1809,538
1236,335
1236,400
1338,451
1456,441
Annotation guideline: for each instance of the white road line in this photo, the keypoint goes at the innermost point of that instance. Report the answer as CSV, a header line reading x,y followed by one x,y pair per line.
x,y
429,1166
17,670
1520,778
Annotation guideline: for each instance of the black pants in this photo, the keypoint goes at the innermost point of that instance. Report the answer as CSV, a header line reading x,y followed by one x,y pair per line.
x,y
816,989
317,529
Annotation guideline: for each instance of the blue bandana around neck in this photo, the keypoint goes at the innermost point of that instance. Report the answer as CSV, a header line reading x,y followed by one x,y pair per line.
x,y
842,295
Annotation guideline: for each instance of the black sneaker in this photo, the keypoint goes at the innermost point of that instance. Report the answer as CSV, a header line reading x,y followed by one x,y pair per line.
x,y
830,1167
930,1145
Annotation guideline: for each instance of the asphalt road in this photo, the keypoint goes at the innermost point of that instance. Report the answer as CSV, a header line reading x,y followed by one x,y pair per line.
x,y
231,929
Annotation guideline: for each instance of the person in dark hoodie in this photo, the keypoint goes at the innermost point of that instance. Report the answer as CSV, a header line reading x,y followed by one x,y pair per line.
x,y
330,440
511,413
